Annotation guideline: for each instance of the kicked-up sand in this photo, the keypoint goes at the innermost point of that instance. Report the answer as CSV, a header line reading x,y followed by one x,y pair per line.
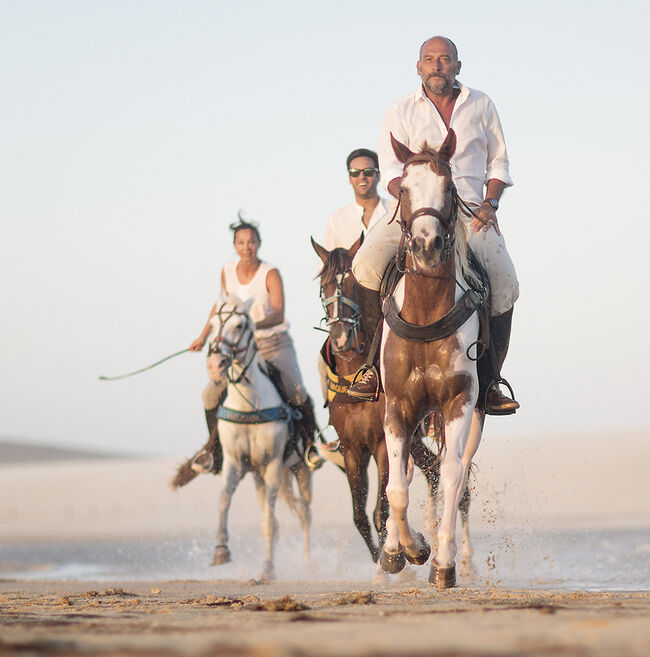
x,y
334,605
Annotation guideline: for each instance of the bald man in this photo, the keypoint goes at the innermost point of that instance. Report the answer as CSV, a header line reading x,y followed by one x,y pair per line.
x,y
481,173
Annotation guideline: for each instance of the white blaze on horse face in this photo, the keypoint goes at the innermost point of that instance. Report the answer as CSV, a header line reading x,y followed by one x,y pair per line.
x,y
425,190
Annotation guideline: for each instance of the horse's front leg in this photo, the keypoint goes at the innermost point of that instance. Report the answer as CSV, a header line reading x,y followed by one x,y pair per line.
x,y
401,543
272,478
233,474
454,468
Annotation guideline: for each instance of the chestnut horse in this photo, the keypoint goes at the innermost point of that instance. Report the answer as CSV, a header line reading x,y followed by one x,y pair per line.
x,y
359,424
430,334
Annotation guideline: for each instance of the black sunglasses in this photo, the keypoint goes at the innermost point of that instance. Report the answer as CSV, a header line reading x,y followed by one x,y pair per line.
x,y
368,173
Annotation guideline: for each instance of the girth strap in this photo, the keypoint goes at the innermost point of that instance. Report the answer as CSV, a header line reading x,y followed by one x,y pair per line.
x,y
274,414
448,324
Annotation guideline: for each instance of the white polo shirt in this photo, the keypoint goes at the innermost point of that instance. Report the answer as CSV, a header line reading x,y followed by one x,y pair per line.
x,y
345,225
480,150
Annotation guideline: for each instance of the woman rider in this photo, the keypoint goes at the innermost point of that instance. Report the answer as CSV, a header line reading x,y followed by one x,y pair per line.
x,y
251,279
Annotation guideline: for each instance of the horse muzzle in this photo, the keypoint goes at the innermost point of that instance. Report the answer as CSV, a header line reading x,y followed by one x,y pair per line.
x,y
217,365
427,251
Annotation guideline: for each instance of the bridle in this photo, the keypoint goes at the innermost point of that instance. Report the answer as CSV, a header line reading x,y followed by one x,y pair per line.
x,y
231,351
338,298
448,222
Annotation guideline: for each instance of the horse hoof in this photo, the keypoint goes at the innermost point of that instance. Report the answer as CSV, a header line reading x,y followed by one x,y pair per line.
x,y
423,554
392,562
443,578
221,555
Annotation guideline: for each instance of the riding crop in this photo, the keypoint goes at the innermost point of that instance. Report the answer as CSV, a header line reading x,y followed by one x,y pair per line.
x,y
144,369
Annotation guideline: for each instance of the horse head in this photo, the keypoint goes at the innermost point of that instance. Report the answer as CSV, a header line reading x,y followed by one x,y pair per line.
x,y
428,201
337,293
232,341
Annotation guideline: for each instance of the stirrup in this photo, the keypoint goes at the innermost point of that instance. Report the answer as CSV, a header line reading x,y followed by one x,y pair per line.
x,y
361,373
498,382
317,461
202,468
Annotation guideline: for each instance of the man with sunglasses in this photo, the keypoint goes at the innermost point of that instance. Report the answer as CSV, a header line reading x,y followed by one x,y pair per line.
x,y
481,173
368,208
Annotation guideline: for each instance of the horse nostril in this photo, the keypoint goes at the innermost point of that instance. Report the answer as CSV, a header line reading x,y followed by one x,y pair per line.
x,y
437,243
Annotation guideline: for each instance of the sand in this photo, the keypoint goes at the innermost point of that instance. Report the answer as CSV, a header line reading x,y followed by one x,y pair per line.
x,y
234,618
95,499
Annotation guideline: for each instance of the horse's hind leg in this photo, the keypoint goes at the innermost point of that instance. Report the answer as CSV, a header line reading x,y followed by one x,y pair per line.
x,y
356,469
380,515
466,551
233,475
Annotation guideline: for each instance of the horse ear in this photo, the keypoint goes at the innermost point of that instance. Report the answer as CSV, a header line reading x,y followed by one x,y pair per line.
x,y
320,250
448,147
352,251
402,153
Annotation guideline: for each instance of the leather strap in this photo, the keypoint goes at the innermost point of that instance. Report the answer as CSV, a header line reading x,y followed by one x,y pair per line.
x,y
462,310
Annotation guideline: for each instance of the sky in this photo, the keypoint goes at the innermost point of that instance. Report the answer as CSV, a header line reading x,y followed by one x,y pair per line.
x,y
133,132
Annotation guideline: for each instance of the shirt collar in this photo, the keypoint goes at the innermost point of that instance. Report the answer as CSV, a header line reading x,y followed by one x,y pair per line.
x,y
464,92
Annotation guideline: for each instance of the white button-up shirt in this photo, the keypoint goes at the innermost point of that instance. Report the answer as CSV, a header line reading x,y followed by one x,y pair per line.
x,y
480,150
345,225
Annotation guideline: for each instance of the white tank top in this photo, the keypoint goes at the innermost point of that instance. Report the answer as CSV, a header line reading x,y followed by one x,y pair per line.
x,y
255,290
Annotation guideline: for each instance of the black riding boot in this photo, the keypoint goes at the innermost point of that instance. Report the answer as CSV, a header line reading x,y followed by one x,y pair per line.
x,y
367,387
489,367
210,457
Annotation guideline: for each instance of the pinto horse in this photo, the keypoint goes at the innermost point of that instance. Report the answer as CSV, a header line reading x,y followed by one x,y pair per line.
x,y
254,433
359,424
430,334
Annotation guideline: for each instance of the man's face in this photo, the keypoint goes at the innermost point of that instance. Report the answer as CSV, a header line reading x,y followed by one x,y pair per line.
x,y
364,186
438,67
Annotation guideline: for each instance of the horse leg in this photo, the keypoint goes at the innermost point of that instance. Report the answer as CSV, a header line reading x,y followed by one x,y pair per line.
x,y
272,477
303,505
401,543
233,475
428,463
356,469
475,434
380,515
453,479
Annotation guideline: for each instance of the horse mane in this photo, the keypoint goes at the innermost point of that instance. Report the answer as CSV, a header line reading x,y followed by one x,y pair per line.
x,y
337,261
461,250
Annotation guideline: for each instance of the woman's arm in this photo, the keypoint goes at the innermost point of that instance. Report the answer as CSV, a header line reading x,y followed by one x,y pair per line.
x,y
276,297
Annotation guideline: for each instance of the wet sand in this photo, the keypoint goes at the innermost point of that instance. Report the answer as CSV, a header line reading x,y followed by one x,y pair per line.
x,y
72,502
303,619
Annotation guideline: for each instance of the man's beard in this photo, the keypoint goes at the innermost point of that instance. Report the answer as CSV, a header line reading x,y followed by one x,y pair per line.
x,y
438,84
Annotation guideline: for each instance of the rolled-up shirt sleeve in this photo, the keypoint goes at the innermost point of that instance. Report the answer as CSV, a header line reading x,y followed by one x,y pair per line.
x,y
389,166
498,165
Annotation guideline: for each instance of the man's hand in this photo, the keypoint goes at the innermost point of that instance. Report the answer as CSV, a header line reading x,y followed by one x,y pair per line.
x,y
484,217
197,345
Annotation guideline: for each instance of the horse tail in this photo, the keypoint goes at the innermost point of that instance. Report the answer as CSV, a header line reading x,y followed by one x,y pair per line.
x,y
184,475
